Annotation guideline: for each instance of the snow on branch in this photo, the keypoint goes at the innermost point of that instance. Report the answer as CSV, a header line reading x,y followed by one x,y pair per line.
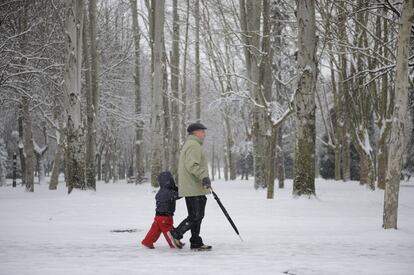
x,y
39,150
279,114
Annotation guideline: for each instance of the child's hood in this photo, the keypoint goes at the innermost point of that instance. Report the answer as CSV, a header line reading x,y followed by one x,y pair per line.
x,y
166,180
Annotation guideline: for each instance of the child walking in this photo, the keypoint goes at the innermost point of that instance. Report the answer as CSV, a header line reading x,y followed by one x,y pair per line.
x,y
164,212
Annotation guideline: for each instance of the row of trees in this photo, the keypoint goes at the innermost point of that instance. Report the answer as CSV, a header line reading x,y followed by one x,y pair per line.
x,y
113,85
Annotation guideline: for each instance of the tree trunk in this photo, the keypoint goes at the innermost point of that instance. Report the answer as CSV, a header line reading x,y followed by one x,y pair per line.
x,y
225,163
386,101
338,175
139,124
213,163
166,129
409,164
54,179
280,158
367,171
218,167
3,160
28,145
107,166
40,162
184,81
72,94
336,135
92,100
99,162
304,181
270,173
115,165
14,169
358,106
278,70
382,160
399,118
88,92
346,152
229,147
250,12
175,74
197,60
157,93
21,146
342,120
267,129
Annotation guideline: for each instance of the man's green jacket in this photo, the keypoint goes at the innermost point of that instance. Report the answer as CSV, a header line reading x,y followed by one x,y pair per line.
x,y
192,168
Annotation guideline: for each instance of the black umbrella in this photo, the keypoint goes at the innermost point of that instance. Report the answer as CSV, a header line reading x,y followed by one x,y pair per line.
x,y
225,213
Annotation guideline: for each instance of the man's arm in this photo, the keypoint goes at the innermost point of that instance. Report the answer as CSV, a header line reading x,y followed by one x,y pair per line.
x,y
193,163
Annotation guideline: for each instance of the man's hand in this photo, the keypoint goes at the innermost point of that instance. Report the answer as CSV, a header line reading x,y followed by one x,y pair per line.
x,y
206,182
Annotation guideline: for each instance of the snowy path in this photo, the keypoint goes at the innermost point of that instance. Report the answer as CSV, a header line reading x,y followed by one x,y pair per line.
x,y
339,232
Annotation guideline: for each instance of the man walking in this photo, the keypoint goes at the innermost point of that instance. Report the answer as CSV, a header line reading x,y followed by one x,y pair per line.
x,y
193,184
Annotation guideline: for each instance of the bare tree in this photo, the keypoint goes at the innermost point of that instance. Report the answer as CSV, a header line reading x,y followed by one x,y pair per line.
x,y
197,60
184,79
40,154
222,66
157,7
28,145
399,118
92,101
72,94
54,178
175,77
139,124
3,160
250,14
304,181
384,102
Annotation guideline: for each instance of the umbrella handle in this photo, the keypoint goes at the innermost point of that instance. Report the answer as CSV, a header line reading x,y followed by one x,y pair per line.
x,y
212,192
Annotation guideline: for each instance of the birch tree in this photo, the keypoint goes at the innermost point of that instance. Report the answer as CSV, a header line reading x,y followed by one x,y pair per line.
x,y
92,101
250,14
175,77
40,155
72,94
360,105
304,181
54,178
384,103
183,95
197,60
166,128
21,145
342,121
139,124
399,117
3,160
157,7
28,145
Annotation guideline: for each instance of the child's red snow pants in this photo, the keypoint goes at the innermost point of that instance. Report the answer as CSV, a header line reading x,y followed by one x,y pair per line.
x,y
161,224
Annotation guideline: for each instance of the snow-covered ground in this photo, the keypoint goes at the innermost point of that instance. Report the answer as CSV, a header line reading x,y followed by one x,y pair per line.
x,y
338,232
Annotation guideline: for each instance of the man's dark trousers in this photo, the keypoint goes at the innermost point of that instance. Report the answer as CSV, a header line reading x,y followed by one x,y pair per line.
x,y
195,207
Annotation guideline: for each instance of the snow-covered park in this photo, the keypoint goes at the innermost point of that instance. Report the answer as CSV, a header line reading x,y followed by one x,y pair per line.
x,y
337,232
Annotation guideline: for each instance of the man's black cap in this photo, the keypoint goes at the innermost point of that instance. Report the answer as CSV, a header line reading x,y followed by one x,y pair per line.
x,y
195,126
